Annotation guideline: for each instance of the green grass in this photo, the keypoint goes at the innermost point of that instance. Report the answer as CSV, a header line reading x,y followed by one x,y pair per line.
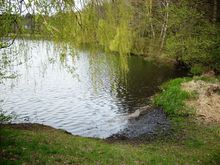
x,y
43,145
172,98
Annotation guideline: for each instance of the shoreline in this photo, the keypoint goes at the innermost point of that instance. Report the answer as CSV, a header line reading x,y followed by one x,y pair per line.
x,y
190,140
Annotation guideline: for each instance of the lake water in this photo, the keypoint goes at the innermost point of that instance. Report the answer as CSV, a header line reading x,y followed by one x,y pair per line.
x,y
87,93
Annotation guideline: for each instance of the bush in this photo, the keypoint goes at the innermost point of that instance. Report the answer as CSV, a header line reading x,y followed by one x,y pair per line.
x,y
216,55
197,70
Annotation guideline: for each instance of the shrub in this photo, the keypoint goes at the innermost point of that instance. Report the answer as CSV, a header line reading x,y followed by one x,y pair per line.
x,y
197,70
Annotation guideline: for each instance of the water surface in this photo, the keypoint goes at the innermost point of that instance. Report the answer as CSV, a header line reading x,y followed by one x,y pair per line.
x,y
87,94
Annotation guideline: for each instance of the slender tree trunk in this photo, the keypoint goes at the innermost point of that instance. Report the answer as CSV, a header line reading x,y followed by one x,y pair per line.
x,y
164,27
149,4
215,4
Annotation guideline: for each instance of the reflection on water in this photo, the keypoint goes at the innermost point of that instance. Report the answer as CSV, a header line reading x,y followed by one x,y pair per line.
x,y
83,93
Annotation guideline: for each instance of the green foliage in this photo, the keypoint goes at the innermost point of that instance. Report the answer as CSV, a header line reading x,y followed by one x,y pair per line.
x,y
197,70
215,53
192,38
172,98
122,41
177,29
139,28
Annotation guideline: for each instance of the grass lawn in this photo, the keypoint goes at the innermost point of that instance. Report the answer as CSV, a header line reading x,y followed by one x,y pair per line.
x,y
37,144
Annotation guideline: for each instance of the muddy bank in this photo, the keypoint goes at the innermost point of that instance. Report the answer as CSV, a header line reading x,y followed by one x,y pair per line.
x,y
148,124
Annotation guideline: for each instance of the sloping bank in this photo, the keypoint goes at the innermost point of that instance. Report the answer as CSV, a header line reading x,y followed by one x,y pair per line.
x,y
194,138
198,97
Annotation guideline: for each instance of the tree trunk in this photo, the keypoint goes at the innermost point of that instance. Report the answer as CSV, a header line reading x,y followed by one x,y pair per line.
x,y
215,4
164,27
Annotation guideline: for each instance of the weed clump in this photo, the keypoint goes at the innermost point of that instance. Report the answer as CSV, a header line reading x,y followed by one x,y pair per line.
x,y
172,98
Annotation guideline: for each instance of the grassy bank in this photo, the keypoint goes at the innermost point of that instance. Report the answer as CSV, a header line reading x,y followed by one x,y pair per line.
x,y
189,141
37,144
190,97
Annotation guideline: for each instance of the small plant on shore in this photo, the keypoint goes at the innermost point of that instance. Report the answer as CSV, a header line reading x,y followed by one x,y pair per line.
x,y
4,118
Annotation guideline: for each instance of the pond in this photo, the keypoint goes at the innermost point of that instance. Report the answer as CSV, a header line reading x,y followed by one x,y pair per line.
x,y
88,93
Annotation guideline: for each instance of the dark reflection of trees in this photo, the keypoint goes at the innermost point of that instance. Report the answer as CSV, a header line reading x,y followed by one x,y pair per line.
x,y
141,81
130,88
